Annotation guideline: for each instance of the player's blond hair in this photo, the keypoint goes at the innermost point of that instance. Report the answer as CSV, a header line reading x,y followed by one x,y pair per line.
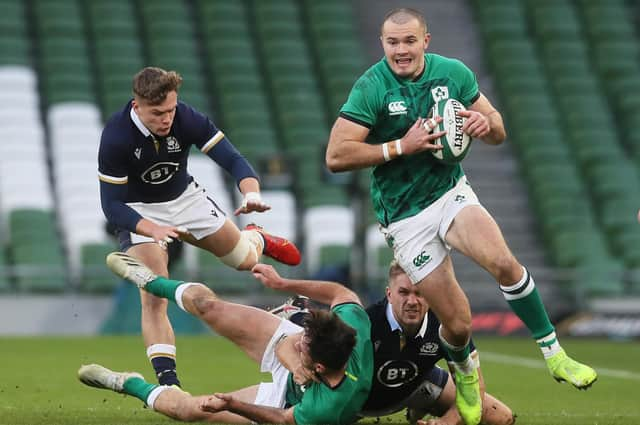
x,y
402,15
152,84
395,270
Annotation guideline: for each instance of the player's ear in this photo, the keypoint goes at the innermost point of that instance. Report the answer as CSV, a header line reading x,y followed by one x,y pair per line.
x,y
427,39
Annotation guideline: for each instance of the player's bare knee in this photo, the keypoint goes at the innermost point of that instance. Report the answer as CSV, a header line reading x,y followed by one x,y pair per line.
x,y
506,269
184,408
155,305
205,304
461,328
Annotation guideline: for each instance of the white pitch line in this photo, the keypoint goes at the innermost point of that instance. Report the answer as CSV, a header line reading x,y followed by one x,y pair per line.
x,y
538,364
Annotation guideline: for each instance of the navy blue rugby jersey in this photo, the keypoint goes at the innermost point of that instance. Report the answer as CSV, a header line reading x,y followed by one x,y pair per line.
x,y
136,166
398,372
128,153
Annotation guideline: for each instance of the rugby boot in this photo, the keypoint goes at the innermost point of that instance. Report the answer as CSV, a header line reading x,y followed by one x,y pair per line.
x,y
277,248
564,369
130,268
294,309
468,399
98,376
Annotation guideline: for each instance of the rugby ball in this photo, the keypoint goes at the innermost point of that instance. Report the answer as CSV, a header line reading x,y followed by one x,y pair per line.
x,y
455,143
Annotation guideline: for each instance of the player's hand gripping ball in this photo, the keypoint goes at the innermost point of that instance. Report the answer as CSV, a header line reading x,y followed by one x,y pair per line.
x,y
455,143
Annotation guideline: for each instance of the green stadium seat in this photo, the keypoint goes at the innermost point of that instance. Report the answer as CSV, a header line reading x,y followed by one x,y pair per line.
x,y
324,195
574,50
118,12
36,252
5,284
334,255
556,21
39,267
225,29
57,65
572,248
96,277
618,222
222,279
603,278
15,50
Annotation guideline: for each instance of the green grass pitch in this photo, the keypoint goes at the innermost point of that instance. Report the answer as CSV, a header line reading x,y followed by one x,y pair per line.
x,y
38,384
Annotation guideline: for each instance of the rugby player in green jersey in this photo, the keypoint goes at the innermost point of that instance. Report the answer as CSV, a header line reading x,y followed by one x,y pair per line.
x,y
425,206
321,372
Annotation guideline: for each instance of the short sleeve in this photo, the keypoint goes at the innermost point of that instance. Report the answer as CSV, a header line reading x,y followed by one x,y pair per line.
x,y
112,167
363,103
202,132
469,90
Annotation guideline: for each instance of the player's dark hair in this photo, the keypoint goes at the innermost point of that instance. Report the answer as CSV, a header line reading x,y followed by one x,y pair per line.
x,y
153,84
402,15
331,341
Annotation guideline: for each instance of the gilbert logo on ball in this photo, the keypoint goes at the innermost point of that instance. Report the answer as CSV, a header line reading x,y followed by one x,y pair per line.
x,y
455,144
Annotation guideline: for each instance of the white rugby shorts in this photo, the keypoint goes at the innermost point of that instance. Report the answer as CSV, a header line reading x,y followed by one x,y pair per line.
x,y
273,393
193,210
419,241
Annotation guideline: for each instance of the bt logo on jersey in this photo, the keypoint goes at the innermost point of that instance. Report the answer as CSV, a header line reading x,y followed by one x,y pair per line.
x,y
160,172
395,373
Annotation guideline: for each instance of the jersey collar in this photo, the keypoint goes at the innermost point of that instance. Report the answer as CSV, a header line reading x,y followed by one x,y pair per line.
x,y
136,120
395,326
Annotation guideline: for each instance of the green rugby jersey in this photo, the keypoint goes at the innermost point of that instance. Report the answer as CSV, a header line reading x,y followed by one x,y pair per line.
x,y
318,403
388,106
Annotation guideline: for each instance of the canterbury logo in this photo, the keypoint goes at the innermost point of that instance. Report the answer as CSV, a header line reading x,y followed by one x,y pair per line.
x,y
397,108
421,259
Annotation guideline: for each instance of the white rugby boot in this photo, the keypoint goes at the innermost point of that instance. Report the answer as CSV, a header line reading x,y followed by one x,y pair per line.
x,y
130,268
98,376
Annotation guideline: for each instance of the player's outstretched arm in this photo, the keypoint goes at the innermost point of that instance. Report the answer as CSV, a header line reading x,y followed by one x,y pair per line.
x,y
347,149
330,293
260,414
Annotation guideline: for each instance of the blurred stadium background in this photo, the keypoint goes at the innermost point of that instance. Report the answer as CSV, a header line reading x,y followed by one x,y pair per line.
x,y
272,74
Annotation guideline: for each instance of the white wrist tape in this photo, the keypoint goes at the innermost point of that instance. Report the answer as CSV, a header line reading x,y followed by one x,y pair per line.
x,y
253,197
398,147
385,152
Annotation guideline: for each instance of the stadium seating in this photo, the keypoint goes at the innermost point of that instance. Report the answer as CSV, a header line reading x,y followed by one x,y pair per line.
x,y
237,79
172,44
36,252
273,76
117,48
564,131
329,235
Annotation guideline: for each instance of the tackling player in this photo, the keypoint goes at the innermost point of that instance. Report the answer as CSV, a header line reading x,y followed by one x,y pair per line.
x,y
426,207
334,345
148,195
404,334
406,348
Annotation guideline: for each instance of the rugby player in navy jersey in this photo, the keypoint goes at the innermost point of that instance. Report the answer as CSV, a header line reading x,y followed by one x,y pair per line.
x,y
406,346
404,334
147,193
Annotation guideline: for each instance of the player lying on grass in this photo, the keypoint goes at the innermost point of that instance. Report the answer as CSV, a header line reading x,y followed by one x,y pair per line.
x,y
333,345
404,334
